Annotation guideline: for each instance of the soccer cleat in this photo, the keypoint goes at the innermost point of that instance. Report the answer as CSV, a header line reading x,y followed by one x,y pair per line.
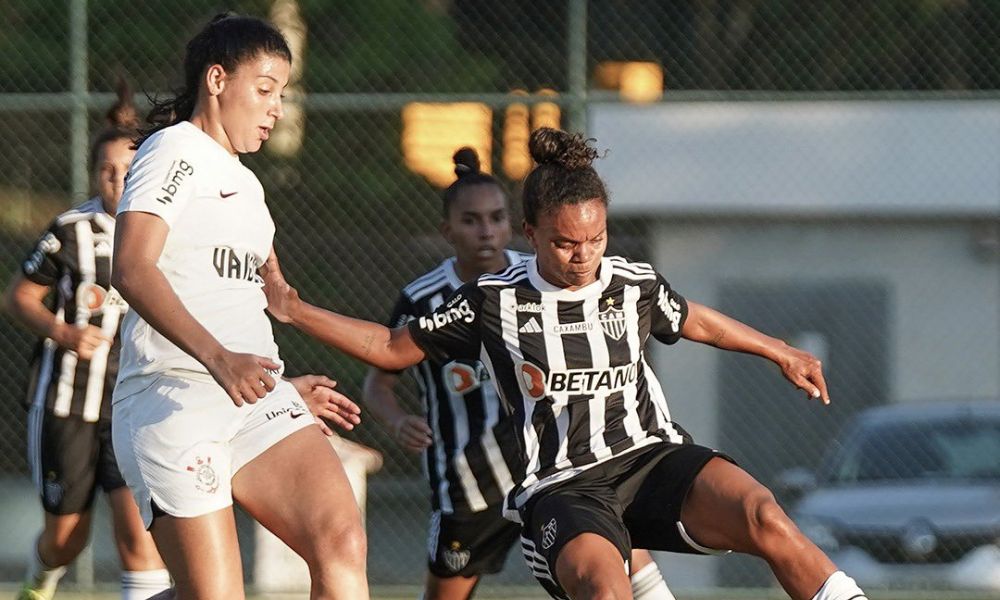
x,y
28,592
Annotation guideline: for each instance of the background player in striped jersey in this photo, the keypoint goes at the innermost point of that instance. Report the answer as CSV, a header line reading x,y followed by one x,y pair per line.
x,y
73,374
467,437
563,336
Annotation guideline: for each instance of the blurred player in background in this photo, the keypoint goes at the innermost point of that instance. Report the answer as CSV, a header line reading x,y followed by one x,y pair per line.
x,y
470,449
201,417
73,375
563,337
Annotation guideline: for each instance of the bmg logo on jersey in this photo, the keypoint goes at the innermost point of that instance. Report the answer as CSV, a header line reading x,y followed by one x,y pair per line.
x,y
536,383
179,171
457,310
671,309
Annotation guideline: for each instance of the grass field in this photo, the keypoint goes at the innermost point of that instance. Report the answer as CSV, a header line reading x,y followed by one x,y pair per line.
x,y
532,593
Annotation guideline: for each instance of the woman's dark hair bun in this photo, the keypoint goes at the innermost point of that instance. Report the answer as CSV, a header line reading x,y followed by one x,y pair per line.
x,y
466,162
570,151
123,114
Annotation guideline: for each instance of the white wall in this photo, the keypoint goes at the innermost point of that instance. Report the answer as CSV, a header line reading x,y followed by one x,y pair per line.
x,y
944,311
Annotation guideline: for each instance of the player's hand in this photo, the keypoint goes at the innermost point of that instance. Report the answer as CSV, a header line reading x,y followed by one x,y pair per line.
x,y
805,371
281,297
326,403
245,377
411,432
82,340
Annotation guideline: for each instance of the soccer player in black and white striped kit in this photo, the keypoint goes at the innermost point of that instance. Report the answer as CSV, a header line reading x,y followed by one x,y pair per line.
x,y
73,374
468,440
563,337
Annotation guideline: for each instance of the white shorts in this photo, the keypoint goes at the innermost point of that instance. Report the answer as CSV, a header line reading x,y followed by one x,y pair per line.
x,y
179,441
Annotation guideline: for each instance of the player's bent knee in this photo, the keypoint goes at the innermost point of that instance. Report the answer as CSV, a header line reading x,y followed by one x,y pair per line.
x,y
63,549
769,525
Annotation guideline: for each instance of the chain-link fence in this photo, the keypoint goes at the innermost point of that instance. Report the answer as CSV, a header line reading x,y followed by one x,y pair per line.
x,y
770,157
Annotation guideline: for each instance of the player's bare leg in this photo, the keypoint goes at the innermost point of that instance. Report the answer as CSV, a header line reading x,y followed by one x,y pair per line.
x,y
62,539
202,554
589,566
449,588
728,509
298,490
143,571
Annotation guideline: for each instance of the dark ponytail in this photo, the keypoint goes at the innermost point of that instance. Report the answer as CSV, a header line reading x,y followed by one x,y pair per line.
x,y
467,170
227,40
122,121
564,175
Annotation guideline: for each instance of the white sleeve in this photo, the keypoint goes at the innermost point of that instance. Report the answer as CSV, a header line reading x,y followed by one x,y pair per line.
x,y
162,177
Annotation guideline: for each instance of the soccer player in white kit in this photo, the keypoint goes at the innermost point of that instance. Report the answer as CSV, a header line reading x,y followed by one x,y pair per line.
x,y
563,336
201,415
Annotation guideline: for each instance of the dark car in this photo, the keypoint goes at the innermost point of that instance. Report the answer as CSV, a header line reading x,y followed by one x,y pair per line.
x,y
911,498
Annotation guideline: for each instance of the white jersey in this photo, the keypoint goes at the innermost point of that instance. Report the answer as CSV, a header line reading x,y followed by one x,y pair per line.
x,y
220,233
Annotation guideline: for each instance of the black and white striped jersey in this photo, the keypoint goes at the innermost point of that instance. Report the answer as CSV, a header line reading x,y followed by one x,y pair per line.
x,y
73,257
473,461
569,365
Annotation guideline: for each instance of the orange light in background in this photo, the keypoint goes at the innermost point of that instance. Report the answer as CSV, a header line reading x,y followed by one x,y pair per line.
x,y
545,114
432,132
516,128
635,81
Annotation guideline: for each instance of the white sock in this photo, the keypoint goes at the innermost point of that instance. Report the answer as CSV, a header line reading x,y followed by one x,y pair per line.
x,y
41,577
648,584
839,587
141,585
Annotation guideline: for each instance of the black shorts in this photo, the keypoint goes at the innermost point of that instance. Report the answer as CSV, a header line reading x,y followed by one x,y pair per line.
x,y
633,501
69,459
469,545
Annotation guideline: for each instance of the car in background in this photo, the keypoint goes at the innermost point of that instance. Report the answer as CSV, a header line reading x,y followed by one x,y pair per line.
x,y
910,498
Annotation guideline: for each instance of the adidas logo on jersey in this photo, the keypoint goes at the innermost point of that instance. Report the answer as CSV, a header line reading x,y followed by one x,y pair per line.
x,y
531,326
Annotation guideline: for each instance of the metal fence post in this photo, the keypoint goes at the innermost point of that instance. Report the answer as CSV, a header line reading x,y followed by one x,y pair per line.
x,y
577,65
78,90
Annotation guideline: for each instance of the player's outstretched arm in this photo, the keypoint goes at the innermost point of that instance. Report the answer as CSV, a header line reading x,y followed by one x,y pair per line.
x,y
410,431
709,326
373,343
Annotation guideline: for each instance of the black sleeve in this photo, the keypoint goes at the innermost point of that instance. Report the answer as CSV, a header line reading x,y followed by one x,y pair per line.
x,y
43,263
402,313
452,330
668,311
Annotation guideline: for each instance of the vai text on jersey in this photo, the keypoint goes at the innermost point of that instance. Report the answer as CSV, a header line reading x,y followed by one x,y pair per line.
x,y
230,265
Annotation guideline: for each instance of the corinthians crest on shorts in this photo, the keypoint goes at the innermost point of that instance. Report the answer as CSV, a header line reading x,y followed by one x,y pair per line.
x,y
612,320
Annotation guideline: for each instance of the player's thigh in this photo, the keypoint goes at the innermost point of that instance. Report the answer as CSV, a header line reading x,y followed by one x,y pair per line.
x,y
590,565
456,587
719,508
202,554
653,511
136,548
586,520
298,489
